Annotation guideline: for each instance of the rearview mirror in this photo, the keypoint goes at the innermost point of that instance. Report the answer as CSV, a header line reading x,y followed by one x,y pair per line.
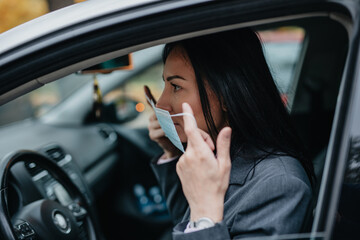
x,y
120,63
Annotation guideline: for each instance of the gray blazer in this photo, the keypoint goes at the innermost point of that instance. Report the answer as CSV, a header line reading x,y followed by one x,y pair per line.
x,y
270,198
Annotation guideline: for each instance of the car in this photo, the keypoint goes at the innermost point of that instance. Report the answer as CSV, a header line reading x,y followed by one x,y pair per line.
x,y
74,146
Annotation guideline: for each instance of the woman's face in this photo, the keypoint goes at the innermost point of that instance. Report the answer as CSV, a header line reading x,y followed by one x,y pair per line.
x,y
181,86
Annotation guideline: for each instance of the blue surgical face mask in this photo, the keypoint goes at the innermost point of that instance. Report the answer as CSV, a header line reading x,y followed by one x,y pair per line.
x,y
168,126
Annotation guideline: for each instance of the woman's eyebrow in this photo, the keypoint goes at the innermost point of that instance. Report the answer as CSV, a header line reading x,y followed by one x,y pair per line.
x,y
173,77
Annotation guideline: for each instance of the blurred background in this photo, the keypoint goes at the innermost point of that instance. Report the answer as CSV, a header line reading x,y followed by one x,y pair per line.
x,y
15,12
281,47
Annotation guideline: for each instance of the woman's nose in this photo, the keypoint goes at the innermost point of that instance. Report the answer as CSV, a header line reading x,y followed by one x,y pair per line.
x,y
164,102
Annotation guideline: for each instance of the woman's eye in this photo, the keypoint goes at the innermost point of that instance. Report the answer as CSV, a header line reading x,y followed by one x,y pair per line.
x,y
176,87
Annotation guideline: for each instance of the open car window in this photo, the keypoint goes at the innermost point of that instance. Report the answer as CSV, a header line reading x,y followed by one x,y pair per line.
x,y
306,56
298,56
282,47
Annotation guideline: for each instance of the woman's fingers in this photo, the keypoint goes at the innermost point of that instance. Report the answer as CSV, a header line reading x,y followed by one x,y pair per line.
x,y
155,130
194,137
154,124
205,189
223,147
207,139
156,134
153,117
149,94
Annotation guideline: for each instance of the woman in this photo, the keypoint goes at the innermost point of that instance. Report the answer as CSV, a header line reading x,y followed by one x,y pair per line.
x,y
244,172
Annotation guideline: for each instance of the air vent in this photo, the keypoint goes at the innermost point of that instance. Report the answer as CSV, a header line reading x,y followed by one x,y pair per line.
x,y
56,153
104,133
33,168
107,133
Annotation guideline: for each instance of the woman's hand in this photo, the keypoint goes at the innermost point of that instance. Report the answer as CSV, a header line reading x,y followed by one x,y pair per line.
x,y
204,176
158,135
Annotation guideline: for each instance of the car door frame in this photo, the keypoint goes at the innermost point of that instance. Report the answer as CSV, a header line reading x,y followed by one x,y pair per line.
x,y
137,33
340,139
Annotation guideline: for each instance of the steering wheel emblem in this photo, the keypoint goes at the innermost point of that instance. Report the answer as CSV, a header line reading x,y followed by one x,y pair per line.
x,y
61,222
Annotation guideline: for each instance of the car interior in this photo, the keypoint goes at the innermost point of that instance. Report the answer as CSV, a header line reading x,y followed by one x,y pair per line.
x,y
314,90
106,158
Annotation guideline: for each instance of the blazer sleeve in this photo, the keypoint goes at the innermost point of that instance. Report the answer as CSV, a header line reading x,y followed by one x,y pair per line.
x,y
171,189
273,207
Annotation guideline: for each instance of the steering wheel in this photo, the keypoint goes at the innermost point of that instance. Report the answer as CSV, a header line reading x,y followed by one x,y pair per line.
x,y
44,219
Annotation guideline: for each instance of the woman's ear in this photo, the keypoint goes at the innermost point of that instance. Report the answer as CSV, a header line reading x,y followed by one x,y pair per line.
x,y
225,111
223,107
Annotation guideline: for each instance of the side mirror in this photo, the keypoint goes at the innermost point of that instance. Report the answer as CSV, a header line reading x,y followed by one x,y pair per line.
x,y
120,63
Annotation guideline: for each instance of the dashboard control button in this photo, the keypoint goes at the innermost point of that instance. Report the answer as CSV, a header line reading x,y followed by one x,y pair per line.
x,y
24,231
78,211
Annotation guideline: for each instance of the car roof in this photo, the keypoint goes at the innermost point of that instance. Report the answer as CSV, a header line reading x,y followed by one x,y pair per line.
x,y
70,16
42,50
63,18
79,13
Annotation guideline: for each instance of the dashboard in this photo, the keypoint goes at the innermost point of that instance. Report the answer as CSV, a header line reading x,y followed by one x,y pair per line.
x,y
109,164
47,196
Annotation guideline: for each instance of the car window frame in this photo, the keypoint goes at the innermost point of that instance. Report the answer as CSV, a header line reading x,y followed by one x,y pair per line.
x,y
339,144
341,117
135,35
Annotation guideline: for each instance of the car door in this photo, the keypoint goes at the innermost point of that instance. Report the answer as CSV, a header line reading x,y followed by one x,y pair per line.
x,y
326,67
337,214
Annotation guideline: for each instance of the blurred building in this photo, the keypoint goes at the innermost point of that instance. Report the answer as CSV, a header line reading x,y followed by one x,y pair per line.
x,y
15,12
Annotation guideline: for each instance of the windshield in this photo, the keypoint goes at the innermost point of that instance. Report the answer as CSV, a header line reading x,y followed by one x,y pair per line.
x,y
41,100
77,90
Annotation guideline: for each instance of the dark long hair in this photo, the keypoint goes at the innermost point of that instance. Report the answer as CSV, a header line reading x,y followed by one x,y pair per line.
x,y
234,67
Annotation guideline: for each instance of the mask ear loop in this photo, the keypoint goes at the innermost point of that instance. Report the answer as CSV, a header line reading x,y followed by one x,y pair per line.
x,y
174,115
187,114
